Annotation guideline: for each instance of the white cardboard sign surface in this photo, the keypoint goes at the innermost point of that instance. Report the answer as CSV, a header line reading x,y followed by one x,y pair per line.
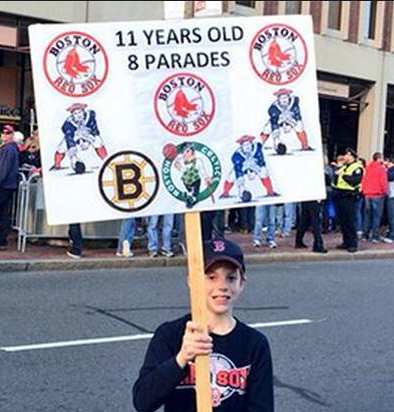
x,y
156,117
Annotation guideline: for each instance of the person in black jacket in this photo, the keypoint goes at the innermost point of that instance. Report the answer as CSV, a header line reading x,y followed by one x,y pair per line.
x,y
240,359
29,158
9,165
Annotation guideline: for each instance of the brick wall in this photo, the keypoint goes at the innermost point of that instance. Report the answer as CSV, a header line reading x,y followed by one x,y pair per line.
x,y
387,25
354,21
315,10
270,8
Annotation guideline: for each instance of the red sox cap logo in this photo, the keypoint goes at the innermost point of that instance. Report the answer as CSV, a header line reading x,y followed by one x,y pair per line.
x,y
218,246
75,64
184,104
278,54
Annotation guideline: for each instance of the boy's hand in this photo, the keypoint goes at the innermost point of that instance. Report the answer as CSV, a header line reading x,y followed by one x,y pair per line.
x,y
195,342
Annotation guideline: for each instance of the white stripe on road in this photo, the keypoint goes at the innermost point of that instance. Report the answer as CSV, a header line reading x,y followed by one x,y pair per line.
x,y
96,341
281,323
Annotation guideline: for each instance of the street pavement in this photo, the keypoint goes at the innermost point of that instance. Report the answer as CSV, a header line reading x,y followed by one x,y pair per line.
x,y
40,255
330,327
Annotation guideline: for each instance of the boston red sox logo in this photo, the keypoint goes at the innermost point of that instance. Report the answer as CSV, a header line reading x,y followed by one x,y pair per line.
x,y
218,246
278,54
75,64
184,104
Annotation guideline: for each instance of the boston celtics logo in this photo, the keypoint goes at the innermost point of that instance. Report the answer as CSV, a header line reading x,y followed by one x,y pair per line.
x,y
191,172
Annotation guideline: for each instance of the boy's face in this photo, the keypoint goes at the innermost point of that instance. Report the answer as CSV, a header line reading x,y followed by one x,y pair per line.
x,y
223,285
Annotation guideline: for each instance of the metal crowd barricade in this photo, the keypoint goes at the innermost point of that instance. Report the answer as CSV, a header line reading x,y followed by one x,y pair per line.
x,y
22,207
29,216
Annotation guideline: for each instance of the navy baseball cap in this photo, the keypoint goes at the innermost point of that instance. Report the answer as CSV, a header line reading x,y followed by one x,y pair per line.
x,y
223,250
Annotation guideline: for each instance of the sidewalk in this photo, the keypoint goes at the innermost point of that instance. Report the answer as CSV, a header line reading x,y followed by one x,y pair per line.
x,y
101,255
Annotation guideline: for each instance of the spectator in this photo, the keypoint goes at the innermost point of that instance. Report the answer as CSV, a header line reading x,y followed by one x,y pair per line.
x,y
390,202
374,188
30,158
178,232
76,241
310,216
265,213
9,166
359,205
153,238
19,139
212,224
285,214
126,238
246,219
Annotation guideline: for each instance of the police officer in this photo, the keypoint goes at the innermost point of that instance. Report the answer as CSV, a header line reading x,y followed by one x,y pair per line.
x,y
346,187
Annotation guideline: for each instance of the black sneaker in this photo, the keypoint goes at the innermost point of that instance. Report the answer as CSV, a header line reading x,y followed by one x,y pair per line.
x,y
301,245
74,254
320,250
352,249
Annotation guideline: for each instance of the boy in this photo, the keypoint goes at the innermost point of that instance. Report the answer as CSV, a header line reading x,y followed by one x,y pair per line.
x,y
241,368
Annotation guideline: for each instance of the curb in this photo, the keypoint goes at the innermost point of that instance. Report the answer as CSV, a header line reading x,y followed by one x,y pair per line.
x,y
142,262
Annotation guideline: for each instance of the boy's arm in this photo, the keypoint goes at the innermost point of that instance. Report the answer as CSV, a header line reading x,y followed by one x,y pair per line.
x,y
260,390
159,374
166,364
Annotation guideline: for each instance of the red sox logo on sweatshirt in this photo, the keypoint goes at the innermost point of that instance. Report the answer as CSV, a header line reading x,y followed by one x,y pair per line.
x,y
184,104
226,378
75,64
278,54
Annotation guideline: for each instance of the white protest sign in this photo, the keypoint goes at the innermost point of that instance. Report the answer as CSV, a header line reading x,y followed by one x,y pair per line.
x,y
155,117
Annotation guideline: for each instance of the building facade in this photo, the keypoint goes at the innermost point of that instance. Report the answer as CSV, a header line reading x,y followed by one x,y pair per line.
x,y
354,43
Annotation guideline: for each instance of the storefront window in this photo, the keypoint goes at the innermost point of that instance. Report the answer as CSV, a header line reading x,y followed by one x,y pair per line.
x,y
16,85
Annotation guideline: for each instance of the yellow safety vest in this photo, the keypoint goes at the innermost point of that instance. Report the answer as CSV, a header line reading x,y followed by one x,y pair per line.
x,y
348,171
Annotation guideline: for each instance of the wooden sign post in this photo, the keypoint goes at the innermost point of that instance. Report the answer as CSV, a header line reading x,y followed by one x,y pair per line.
x,y
195,261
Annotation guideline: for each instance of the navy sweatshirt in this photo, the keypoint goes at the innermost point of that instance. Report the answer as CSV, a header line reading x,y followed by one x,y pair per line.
x,y
241,372
9,165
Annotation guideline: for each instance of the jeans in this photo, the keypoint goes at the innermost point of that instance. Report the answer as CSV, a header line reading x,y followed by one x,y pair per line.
x,y
153,237
390,217
373,210
127,231
285,217
359,214
264,214
179,226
